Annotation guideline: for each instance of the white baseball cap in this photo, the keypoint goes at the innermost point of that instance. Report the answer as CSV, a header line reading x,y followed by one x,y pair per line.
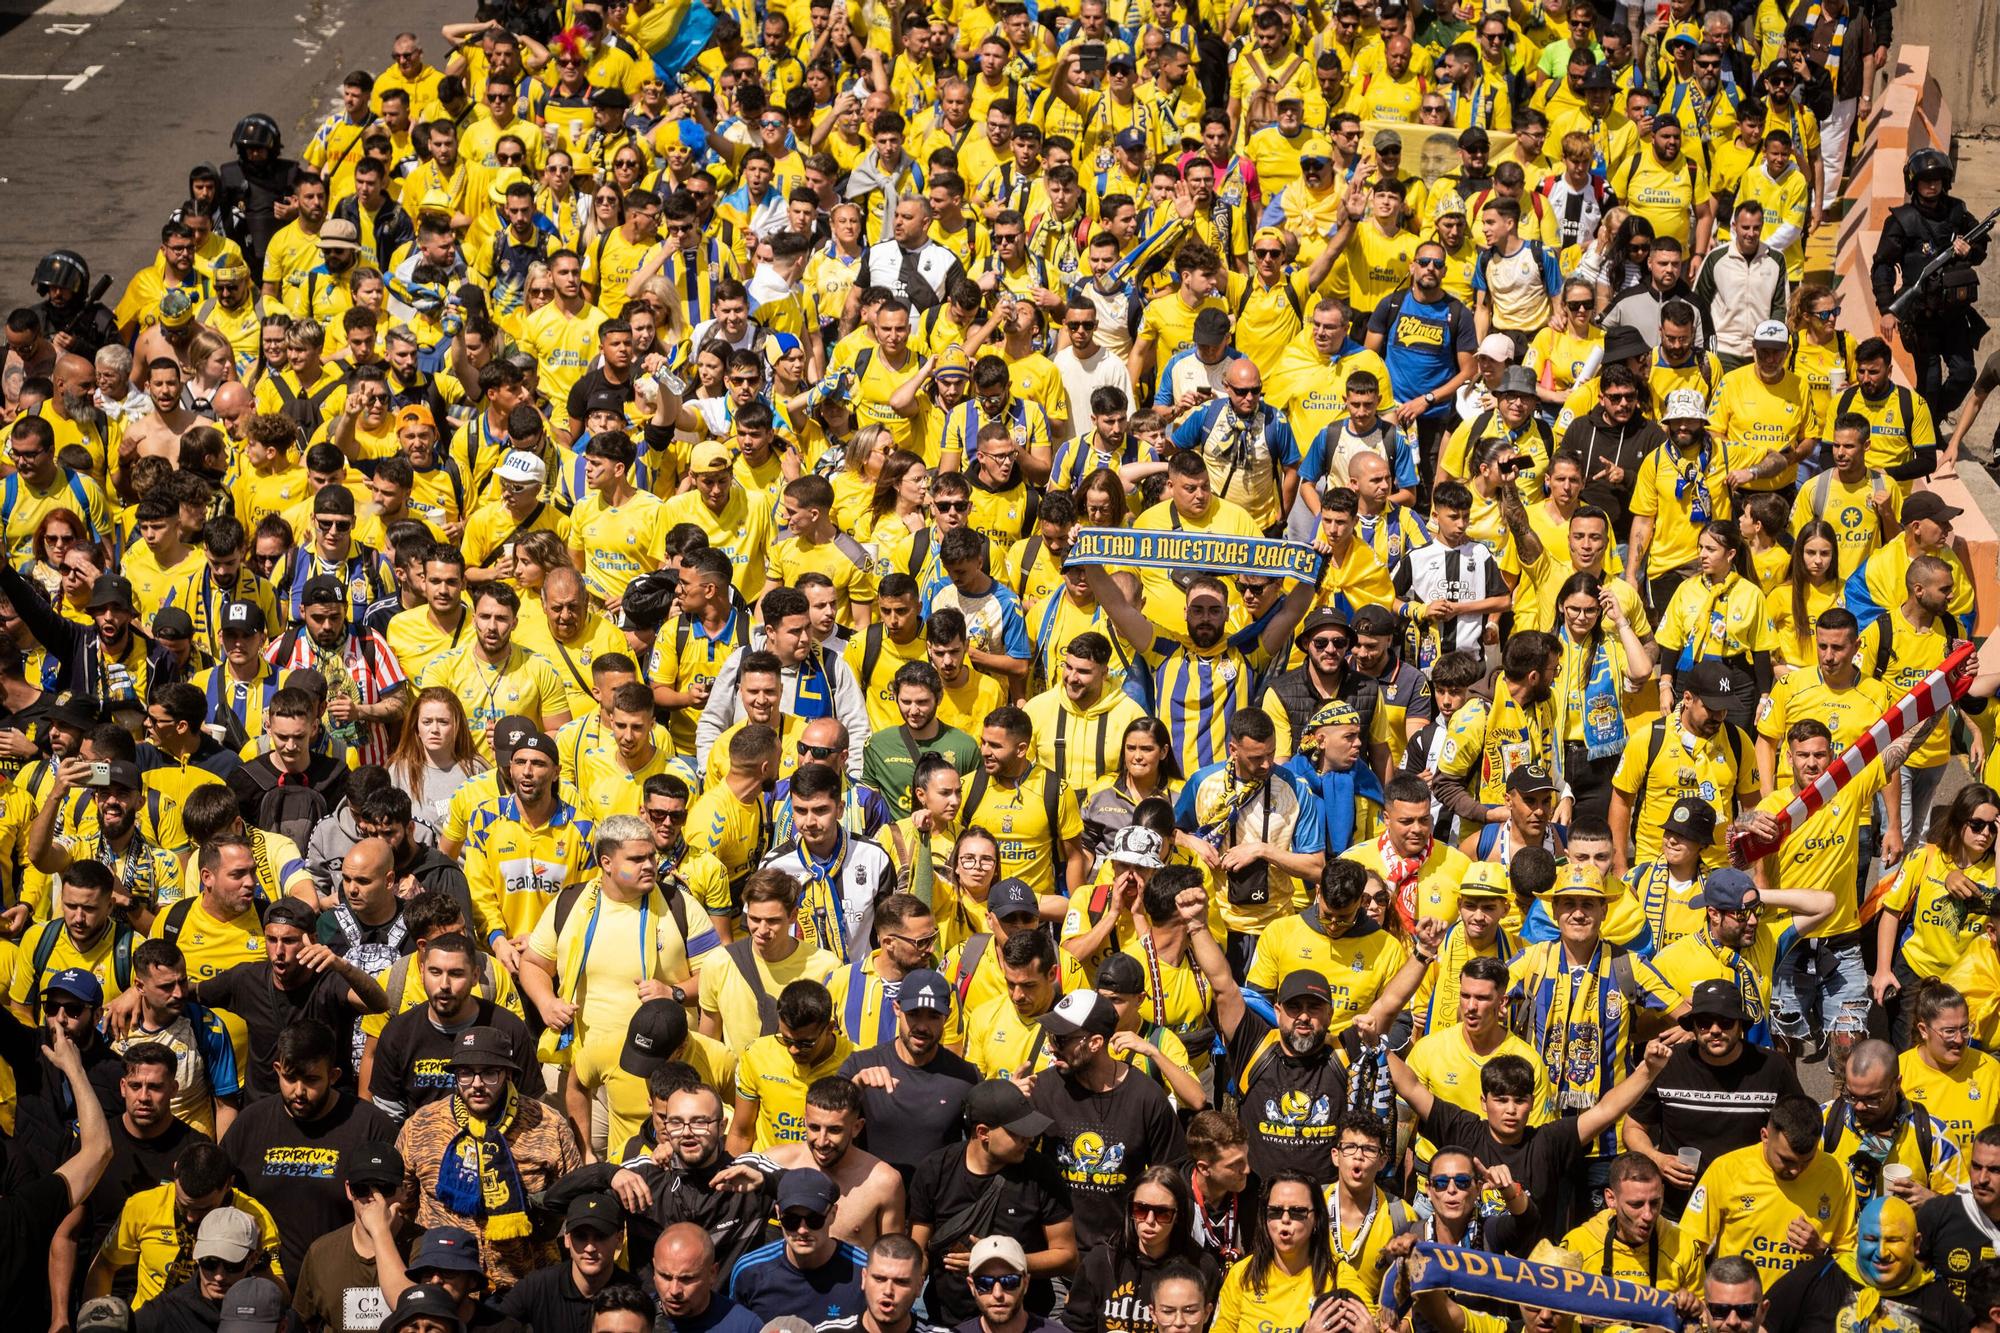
x,y
1686,405
1497,347
997,1249
1135,846
520,465
1771,333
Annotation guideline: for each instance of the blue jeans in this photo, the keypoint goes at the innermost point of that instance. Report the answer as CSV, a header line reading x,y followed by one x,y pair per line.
x,y
1920,786
1820,987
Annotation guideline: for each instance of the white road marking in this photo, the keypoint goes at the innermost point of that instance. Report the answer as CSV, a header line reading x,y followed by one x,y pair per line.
x,y
68,29
70,82
78,8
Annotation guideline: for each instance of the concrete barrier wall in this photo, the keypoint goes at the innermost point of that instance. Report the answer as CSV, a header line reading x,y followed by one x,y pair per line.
x,y
1964,42
1911,113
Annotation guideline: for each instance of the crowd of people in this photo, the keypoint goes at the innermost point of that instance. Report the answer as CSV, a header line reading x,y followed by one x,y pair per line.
x,y
864,669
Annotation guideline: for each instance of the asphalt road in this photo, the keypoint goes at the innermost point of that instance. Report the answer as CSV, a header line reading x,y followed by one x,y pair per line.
x,y
106,104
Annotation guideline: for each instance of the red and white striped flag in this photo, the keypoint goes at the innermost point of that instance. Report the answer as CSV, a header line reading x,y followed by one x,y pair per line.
x,y
1925,700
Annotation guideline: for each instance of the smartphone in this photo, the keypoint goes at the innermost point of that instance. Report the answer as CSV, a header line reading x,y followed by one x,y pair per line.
x,y
1090,57
100,775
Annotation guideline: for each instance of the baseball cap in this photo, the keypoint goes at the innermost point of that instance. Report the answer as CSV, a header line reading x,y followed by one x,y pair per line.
x,y
483,1048
1080,1011
1685,405
339,234
1485,879
228,1234
1680,37
924,989
1134,845
1692,820
243,618
805,1187
1004,1250
1011,897
123,773
508,733
1771,333
611,99
296,913
520,465
75,712
377,1164
321,590
424,1301
1598,78
106,1314
1930,505
1304,984
1120,59
1715,998
1497,347
77,982
416,414
1516,379
252,1305
658,1030
1710,682
610,403
173,623
445,1250
110,590
1131,141
1388,141
711,456
998,1104
1528,779
1121,974
1474,139
1291,94
1728,889
539,742
594,1212
1326,617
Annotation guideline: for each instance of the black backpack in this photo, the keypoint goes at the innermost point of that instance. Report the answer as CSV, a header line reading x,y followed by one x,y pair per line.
x,y
289,809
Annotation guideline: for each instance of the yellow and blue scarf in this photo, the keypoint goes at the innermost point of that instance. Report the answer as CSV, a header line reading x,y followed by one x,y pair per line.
x,y
478,1177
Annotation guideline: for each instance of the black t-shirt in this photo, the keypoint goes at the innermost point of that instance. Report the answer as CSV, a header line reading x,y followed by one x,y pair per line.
x,y
292,1167
1718,1109
1112,1288
1815,1296
136,1164
1101,1141
1027,1198
580,394
1544,1161
547,1300
246,990
1291,1106
28,1221
923,1114
182,1309
1949,1242
413,1054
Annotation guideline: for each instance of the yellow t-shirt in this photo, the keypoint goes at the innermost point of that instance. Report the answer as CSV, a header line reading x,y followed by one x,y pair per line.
x,y
1654,496
1018,815
1962,1099
768,1075
619,544
1356,966
150,1238
1740,1207
1720,770
734,833
1283,1306
742,531
1755,420
524,685
213,946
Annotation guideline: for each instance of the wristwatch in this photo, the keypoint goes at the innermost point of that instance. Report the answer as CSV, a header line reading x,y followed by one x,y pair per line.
x,y
680,996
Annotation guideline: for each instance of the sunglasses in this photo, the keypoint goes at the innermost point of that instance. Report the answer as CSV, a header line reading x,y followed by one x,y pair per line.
x,y
67,1008
1979,826
1581,305
1834,313
1165,1212
1254,391
1638,251
951,506
1290,1213
1457,1180
983,1283
1083,324
802,1221
1744,1310
213,1265
1620,397
1268,252
509,159
333,524
821,752
1430,263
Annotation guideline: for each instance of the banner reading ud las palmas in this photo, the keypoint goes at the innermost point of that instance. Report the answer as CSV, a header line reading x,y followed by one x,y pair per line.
x,y
1196,551
1589,1296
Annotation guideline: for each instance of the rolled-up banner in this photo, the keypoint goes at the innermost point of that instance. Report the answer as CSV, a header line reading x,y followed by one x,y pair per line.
x,y
1196,552
1589,1296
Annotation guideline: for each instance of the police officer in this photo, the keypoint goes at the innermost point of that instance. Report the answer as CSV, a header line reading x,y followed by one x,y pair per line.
x,y
257,188
75,323
1940,327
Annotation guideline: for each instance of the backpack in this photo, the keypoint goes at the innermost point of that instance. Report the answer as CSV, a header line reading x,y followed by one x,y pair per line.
x,y
1657,737
1052,789
1838,1112
122,942
175,920
968,963
1905,404
744,955
289,809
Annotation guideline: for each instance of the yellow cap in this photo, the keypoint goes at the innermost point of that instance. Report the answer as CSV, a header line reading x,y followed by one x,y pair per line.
x,y
1576,881
1269,234
435,201
1486,879
711,456
952,363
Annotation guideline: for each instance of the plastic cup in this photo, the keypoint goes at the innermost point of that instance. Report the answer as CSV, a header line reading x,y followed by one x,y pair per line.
x,y
1895,1173
1690,1158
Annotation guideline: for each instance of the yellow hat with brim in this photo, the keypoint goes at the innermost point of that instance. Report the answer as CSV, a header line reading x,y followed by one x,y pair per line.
x,y
497,192
1575,881
711,456
1486,879
435,201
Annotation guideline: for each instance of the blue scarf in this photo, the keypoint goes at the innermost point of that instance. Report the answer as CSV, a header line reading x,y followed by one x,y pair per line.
x,y
478,1178
1603,717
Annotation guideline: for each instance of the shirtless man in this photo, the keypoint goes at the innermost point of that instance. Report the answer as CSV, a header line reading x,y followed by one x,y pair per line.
x,y
871,1191
158,435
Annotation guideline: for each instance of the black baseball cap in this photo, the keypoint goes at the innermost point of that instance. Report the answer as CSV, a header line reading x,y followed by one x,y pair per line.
x,y
322,589
997,1103
658,1030
1715,998
1304,984
594,1212
377,1164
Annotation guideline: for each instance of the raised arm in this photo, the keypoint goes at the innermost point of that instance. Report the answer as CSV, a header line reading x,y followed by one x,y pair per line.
x,y
1611,1107
86,1166
1137,629
1208,956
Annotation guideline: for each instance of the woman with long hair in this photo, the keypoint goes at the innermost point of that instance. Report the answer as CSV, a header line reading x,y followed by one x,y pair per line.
x,y
1111,1280
1103,501
1605,667
606,214
1570,349
1942,1073
900,506
1290,1266
1821,354
1767,528
209,364
1718,616
958,898
1812,584
59,533
435,756
534,556
1928,905
854,480
1147,769
537,290
1618,262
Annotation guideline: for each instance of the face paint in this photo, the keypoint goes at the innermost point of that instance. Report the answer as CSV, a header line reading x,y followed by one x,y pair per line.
x,y
1887,1252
